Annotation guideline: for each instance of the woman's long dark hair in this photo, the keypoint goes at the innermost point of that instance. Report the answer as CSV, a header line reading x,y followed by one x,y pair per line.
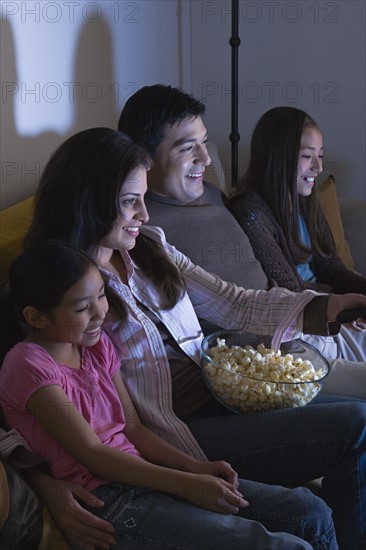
x,y
77,201
272,173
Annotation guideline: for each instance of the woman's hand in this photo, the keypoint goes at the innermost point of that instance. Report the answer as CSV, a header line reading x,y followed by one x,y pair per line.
x,y
341,302
212,493
76,523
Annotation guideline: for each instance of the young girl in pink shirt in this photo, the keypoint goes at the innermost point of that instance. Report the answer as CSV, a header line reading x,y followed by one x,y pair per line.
x,y
61,388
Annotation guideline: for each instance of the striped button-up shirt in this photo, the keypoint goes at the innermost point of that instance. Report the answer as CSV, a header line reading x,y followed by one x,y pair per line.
x,y
144,363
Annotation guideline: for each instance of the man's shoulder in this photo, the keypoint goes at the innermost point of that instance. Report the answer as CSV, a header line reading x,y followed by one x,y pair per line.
x,y
211,190
211,195
211,186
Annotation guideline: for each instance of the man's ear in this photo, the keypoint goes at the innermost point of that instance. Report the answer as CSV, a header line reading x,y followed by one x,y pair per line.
x,y
35,318
154,177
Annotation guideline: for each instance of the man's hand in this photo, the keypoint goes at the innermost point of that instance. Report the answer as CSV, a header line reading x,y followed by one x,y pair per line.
x,y
341,302
76,523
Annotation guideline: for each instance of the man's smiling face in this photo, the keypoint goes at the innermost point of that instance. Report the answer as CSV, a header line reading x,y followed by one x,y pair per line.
x,y
180,161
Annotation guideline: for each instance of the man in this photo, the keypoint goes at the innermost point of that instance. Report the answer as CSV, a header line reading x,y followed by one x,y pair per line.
x,y
168,124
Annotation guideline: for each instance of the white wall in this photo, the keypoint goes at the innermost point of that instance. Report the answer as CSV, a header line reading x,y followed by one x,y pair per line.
x,y
70,65
307,54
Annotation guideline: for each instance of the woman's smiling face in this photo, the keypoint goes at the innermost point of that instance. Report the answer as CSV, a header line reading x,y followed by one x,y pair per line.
x,y
132,213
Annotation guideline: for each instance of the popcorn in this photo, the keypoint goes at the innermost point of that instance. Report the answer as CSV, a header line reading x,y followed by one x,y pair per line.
x,y
250,379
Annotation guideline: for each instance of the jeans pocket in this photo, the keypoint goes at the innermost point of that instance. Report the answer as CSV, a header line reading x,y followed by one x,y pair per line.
x,y
118,501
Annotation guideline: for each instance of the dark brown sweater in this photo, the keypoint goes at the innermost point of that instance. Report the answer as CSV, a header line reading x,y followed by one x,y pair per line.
x,y
278,257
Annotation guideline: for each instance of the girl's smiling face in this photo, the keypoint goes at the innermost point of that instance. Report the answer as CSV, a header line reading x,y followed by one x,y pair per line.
x,y
78,318
310,162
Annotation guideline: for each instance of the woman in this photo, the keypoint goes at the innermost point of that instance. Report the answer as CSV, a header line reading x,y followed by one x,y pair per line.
x,y
93,442
277,207
92,195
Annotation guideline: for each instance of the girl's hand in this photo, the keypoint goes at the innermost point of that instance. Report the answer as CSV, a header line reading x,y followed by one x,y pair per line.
x,y
213,493
219,469
77,524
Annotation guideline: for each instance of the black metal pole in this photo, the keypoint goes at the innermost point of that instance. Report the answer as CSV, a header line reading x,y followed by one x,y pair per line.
x,y
234,136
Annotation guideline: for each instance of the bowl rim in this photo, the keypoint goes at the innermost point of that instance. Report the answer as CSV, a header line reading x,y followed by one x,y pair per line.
x,y
290,383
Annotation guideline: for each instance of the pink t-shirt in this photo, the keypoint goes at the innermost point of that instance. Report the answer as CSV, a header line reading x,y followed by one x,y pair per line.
x,y
28,367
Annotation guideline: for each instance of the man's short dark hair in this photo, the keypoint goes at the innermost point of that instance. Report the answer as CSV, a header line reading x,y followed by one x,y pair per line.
x,y
147,113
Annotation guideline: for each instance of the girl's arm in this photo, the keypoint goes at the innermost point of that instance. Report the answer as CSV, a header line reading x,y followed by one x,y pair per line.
x,y
74,434
268,242
157,450
331,269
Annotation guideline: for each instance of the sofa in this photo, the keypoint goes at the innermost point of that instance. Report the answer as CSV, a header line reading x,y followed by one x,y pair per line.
x,y
347,219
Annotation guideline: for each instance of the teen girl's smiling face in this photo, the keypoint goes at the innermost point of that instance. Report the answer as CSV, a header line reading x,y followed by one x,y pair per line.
x,y
310,162
180,161
132,214
78,318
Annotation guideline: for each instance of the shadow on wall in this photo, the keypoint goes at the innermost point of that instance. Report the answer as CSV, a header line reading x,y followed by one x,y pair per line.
x,y
23,158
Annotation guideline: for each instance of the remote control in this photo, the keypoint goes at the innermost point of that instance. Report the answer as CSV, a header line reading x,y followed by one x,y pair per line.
x,y
348,315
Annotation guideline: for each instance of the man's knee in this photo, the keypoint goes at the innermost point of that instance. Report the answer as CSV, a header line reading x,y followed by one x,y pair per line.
x,y
314,515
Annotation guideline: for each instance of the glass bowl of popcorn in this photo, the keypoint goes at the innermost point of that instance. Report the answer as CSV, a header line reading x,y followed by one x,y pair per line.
x,y
245,374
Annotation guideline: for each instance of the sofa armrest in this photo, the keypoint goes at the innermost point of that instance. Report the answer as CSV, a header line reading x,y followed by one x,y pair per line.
x,y
14,224
353,214
215,173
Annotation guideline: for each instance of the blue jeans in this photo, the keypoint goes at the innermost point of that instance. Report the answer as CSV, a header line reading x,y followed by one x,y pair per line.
x,y
293,446
150,520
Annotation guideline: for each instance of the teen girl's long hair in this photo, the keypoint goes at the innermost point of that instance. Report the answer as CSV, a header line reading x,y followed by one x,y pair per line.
x,y
77,201
272,173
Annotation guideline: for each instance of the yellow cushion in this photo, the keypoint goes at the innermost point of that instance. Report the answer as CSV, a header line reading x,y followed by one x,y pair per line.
x,y
51,536
4,500
327,195
14,224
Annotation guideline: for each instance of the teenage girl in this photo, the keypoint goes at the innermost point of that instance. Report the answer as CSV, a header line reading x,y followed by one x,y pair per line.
x,y
277,207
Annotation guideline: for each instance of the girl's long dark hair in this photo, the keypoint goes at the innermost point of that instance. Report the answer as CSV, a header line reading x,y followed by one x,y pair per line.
x,y
272,173
77,201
